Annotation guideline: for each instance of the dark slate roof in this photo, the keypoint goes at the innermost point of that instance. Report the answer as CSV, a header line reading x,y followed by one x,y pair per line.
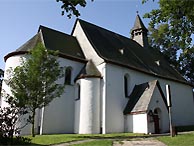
x,y
140,97
54,40
65,43
123,51
139,24
30,44
89,70
134,97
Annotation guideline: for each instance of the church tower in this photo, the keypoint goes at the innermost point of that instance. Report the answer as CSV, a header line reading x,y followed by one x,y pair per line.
x,y
87,106
139,32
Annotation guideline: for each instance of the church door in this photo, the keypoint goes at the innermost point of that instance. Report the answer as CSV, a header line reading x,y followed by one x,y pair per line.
x,y
156,124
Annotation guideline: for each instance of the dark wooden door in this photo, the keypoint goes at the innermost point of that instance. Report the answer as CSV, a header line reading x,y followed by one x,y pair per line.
x,y
156,124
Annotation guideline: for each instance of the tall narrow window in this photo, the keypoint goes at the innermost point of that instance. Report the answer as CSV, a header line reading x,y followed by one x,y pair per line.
x,y
78,92
126,85
68,75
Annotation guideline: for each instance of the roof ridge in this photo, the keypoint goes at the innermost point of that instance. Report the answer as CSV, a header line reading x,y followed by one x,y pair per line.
x,y
51,29
101,27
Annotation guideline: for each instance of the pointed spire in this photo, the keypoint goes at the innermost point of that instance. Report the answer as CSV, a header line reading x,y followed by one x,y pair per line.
x,y
139,32
138,24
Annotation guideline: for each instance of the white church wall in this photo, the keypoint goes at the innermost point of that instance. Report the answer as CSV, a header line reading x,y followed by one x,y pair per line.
x,y
86,46
137,123
59,115
182,97
102,69
140,123
11,62
182,104
77,107
89,106
115,99
129,123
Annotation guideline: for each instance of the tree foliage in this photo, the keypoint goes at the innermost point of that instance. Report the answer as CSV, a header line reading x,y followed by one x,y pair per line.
x,y
172,27
9,118
34,83
70,7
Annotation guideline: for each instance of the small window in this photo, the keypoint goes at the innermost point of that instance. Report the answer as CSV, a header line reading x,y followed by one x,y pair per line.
x,y
68,72
126,85
78,92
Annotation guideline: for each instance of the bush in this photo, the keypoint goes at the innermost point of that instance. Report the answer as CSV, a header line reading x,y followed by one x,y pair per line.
x,y
18,140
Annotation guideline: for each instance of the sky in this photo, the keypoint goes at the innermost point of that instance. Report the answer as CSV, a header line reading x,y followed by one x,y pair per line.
x,y
20,19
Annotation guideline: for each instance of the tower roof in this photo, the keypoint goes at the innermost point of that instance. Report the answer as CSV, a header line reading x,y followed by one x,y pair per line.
x,y
88,71
138,24
67,45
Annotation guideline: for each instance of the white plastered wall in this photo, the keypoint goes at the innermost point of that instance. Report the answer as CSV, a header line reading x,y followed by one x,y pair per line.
x,y
137,123
89,122
11,63
59,115
182,97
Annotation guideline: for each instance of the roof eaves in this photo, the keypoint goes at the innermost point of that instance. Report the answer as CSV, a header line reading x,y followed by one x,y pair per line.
x,y
60,55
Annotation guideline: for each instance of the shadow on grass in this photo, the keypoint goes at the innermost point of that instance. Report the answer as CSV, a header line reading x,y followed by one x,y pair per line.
x,y
32,144
16,141
123,136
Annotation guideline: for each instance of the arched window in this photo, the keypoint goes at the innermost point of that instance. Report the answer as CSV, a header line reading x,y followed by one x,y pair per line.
x,y
78,92
68,72
126,85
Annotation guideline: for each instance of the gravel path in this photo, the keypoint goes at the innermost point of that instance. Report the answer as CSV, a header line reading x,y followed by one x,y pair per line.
x,y
142,142
134,142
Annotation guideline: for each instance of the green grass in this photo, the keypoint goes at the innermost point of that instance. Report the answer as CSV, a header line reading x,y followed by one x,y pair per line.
x,y
179,140
104,139
54,139
62,138
96,143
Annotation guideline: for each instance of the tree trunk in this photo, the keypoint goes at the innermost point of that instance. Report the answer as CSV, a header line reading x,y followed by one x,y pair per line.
x,y
33,121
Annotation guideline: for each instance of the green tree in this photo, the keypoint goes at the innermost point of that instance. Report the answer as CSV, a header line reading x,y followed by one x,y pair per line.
x,y
9,117
70,7
172,27
34,83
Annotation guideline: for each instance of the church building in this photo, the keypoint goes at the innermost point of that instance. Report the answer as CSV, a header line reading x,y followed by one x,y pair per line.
x,y
114,84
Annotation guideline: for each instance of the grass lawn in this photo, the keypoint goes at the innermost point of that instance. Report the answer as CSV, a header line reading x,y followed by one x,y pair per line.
x,y
54,139
104,139
179,140
61,138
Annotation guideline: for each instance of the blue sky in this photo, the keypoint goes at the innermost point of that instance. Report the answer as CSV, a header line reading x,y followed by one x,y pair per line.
x,y
20,19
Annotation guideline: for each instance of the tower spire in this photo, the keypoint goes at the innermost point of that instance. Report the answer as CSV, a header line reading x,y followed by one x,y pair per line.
x,y
139,32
